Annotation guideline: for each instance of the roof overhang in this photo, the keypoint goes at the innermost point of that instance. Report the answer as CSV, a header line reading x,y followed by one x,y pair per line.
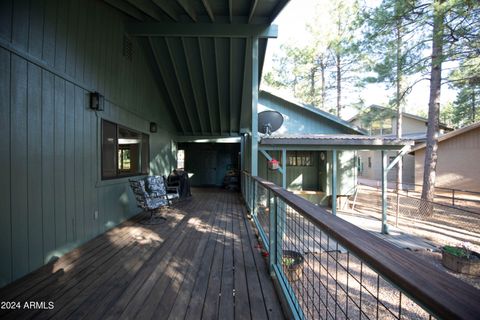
x,y
330,142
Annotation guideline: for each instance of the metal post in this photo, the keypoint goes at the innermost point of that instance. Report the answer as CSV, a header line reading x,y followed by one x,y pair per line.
x,y
334,182
384,192
272,236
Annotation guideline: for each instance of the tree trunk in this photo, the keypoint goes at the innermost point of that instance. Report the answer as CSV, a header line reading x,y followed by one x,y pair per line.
x,y
430,164
322,73
339,82
399,98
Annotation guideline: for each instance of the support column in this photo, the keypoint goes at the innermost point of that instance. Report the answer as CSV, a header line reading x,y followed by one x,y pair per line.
x,y
254,75
334,182
384,191
284,168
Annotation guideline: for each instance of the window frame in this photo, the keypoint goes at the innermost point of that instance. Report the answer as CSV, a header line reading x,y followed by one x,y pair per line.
x,y
143,164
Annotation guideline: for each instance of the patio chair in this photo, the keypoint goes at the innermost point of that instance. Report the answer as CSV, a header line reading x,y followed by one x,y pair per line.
x,y
149,201
156,185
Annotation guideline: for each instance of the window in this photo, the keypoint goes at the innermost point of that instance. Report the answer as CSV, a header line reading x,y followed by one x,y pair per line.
x,y
381,127
300,158
125,152
181,159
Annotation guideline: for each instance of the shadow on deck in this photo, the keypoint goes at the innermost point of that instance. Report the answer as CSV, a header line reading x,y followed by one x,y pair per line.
x,y
201,263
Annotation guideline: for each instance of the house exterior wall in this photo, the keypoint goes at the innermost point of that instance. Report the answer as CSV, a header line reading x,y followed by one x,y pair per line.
x,y
457,164
409,125
318,176
52,54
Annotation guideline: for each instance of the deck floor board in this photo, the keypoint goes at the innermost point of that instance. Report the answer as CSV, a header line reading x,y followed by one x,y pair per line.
x,y
201,264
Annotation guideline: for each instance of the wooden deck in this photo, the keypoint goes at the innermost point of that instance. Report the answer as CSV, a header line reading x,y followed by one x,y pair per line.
x,y
201,264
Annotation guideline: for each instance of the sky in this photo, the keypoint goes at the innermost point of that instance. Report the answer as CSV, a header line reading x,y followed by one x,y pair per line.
x,y
291,26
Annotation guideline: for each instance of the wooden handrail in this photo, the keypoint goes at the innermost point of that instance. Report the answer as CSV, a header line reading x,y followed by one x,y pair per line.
x,y
438,292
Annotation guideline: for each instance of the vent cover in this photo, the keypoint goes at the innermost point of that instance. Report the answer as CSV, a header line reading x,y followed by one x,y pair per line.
x,y
127,48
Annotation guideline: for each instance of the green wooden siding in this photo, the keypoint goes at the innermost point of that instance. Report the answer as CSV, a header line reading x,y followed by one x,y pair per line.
x,y
52,53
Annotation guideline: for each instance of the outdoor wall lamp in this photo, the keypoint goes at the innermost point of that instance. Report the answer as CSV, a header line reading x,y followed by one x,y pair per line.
x,y
153,127
96,101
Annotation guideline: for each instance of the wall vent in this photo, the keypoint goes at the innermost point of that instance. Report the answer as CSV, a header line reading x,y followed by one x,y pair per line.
x,y
127,48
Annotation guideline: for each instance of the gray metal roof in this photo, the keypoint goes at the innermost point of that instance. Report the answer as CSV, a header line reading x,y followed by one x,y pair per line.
x,y
339,139
201,53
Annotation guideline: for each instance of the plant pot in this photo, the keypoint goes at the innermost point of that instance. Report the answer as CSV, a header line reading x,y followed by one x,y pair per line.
x,y
293,270
461,264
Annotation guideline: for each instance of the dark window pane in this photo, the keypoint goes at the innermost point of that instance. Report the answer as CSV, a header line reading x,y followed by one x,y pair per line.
x,y
109,147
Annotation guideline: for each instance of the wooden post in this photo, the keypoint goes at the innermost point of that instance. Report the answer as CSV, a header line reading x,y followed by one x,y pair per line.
x,y
384,192
334,182
284,167
254,76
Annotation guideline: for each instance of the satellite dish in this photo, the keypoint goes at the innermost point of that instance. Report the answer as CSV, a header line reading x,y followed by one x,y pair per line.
x,y
269,121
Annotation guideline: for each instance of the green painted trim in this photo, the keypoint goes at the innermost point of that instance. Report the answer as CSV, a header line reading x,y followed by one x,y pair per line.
x,y
334,182
284,167
219,30
326,147
254,79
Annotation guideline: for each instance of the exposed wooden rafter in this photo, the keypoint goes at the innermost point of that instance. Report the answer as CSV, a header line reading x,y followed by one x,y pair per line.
x,y
252,10
188,9
195,96
207,7
230,10
166,84
127,9
160,29
218,84
165,7
207,95
147,7
180,87
278,8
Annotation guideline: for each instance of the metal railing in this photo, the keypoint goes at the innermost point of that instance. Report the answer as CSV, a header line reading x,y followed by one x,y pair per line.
x,y
329,268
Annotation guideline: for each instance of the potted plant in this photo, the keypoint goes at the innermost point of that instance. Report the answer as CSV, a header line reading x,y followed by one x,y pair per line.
x,y
273,164
293,264
461,259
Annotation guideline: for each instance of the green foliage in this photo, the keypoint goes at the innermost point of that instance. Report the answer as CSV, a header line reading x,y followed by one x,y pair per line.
x,y
457,251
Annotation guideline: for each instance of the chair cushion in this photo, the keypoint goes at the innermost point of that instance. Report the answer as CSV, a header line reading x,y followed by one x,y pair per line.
x,y
155,185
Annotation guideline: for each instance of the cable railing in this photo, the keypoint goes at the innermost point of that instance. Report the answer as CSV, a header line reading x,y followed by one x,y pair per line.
x,y
330,269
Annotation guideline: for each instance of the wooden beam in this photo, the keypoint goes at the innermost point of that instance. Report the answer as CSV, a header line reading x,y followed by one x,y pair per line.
x,y
147,7
207,95
190,76
252,10
166,83
245,106
170,54
230,10
163,29
127,9
276,11
152,55
165,7
209,10
230,91
284,167
254,88
218,84
188,9
334,182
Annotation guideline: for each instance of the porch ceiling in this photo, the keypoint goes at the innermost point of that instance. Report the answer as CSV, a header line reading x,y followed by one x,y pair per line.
x,y
201,54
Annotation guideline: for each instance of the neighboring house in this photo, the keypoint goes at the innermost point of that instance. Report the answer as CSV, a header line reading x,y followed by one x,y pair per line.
x,y
457,163
381,121
307,170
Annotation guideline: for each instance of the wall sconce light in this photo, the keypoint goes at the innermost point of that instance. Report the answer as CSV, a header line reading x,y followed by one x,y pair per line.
x,y
96,101
153,127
